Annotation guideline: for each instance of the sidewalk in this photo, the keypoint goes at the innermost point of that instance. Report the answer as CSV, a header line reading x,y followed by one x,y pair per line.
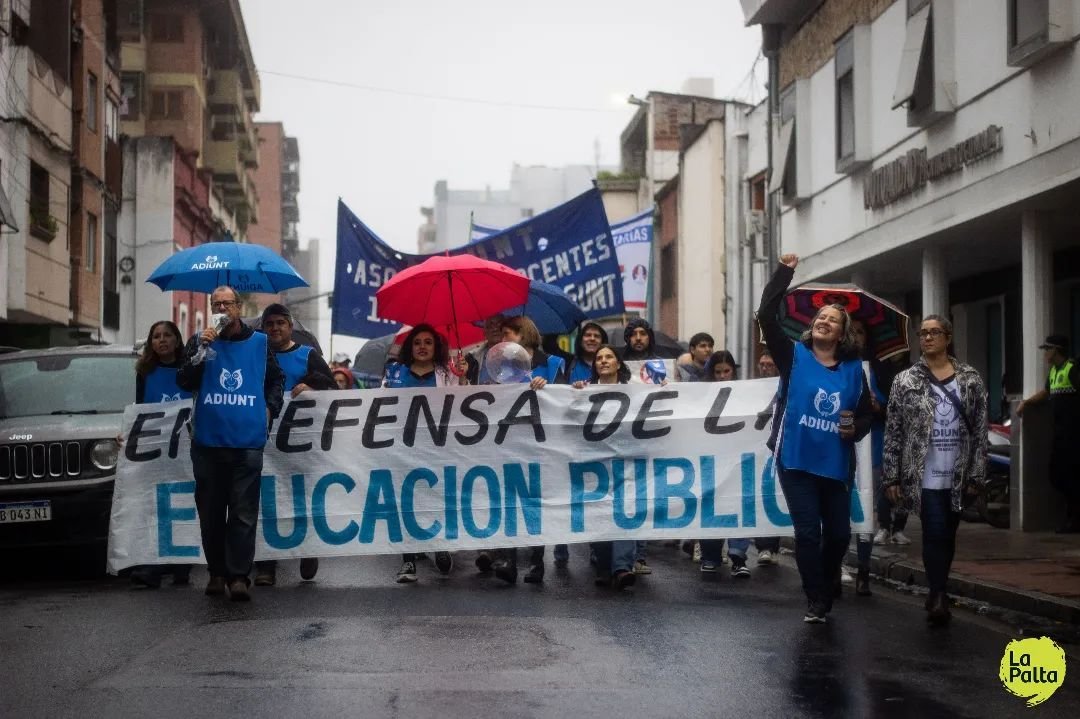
x,y
1033,572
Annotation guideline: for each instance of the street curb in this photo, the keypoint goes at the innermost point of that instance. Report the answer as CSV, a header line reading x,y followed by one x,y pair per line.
x,y
896,567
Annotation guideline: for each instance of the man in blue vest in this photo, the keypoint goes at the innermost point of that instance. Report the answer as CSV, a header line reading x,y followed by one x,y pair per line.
x,y
237,386
304,369
1063,390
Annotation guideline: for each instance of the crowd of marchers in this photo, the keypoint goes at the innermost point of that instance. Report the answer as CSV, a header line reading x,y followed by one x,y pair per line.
x,y
927,421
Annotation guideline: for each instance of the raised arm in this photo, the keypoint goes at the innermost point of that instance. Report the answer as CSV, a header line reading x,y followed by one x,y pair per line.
x,y
779,345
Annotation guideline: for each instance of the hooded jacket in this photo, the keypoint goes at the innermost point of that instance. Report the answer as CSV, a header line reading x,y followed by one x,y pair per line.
x,y
629,354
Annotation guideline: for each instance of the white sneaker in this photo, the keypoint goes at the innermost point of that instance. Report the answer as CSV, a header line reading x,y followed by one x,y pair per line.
x,y
900,538
407,573
765,557
697,552
845,576
882,537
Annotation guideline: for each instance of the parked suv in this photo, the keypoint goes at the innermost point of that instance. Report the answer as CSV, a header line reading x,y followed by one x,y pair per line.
x,y
60,413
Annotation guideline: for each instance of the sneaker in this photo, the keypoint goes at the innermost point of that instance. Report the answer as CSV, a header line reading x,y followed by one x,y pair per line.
x,y
535,575
407,573
739,568
309,567
238,590
815,613
900,538
845,576
483,562
697,552
265,578
506,571
215,587
640,567
882,537
444,562
708,566
766,558
623,579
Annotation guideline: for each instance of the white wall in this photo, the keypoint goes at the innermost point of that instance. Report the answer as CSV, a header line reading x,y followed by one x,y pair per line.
x,y
701,235
1035,107
145,232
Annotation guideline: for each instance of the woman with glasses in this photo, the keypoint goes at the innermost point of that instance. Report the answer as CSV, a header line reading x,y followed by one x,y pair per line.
x,y
935,450
824,408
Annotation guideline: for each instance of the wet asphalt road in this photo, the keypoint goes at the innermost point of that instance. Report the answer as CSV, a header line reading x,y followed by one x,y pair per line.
x,y
354,643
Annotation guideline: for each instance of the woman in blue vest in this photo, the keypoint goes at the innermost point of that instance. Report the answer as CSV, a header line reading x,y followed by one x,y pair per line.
x,y
155,381
824,409
546,369
422,363
589,339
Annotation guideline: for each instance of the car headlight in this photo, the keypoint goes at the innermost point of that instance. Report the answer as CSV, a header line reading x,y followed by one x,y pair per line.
x,y
104,453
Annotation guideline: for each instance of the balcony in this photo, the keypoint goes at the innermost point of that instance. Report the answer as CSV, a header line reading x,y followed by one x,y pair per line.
x,y
290,210
222,158
229,107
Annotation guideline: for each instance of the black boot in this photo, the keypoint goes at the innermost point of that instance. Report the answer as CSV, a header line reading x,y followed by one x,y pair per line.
x,y
862,583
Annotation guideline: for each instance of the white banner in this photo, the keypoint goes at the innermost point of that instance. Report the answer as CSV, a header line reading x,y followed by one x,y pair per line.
x,y
388,471
633,245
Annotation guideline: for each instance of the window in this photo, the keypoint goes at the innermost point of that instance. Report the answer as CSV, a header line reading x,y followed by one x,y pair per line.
x,y
131,95
668,271
91,101
130,19
109,250
91,241
182,318
200,322
785,173
926,83
166,27
167,105
42,223
1037,28
845,99
112,120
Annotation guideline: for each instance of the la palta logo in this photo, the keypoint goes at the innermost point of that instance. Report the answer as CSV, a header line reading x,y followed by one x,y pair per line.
x,y
1033,669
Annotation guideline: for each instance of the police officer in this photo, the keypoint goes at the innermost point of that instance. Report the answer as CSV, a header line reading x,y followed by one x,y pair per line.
x,y
304,369
237,385
1062,383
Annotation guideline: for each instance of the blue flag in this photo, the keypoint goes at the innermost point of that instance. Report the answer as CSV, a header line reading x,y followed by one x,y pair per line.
x,y
569,246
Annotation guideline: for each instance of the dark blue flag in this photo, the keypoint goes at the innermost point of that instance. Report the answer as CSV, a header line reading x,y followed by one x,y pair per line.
x,y
569,246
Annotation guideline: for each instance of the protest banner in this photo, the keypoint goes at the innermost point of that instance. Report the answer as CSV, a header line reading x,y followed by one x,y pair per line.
x,y
568,246
386,471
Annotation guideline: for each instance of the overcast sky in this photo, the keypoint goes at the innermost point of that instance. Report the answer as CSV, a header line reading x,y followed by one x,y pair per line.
x,y
383,151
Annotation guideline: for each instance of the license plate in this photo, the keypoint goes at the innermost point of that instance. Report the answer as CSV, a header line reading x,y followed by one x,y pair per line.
x,y
37,511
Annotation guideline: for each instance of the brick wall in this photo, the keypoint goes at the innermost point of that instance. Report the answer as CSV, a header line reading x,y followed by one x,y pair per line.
x,y
812,45
673,111
267,177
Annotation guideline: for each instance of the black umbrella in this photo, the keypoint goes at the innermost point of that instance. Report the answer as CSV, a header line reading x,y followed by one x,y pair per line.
x,y
370,363
300,334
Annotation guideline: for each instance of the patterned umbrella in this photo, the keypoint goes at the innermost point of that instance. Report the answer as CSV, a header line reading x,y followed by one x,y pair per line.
x,y
886,324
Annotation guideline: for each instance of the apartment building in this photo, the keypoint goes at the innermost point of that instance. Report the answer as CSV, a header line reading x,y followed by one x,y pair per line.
x,y
277,183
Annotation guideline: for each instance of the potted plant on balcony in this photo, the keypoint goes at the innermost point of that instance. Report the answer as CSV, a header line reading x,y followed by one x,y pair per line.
x,y
43,225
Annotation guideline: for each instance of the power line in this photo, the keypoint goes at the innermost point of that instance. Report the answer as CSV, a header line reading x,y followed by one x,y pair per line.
x,y
426,96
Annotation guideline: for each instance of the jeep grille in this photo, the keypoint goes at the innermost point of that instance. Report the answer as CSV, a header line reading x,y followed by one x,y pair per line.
x,y
40,461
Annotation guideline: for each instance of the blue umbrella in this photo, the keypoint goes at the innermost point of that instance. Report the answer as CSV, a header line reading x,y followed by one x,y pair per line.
x,y
551,310
244,267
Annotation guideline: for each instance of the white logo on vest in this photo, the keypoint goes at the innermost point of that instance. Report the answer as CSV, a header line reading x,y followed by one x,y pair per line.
x,y
231,381
827,404
165,397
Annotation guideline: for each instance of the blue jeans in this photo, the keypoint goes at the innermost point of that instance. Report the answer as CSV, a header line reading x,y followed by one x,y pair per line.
x,y
820,509
939,524
639,550
227,498
617,556
712,550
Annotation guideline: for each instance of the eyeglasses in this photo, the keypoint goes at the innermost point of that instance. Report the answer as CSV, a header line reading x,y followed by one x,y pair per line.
x,y
932,332
224,304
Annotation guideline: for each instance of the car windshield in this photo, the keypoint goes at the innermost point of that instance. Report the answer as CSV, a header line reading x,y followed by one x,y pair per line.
x,y
66,384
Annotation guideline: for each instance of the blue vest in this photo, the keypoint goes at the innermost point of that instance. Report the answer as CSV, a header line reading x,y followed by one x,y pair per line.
x,y
160,386
810,439
398,376
293,363
580,371
551,370
230,409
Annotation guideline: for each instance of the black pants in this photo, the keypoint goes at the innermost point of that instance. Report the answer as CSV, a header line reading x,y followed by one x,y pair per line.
x,y
1065,474
227,498
536,555
820,509
939,524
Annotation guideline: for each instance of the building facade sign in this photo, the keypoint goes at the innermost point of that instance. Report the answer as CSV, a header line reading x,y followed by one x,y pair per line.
x,y
911,172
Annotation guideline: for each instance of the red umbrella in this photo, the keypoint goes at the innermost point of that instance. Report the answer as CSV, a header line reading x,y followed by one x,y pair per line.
x,y
463,335
450,291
